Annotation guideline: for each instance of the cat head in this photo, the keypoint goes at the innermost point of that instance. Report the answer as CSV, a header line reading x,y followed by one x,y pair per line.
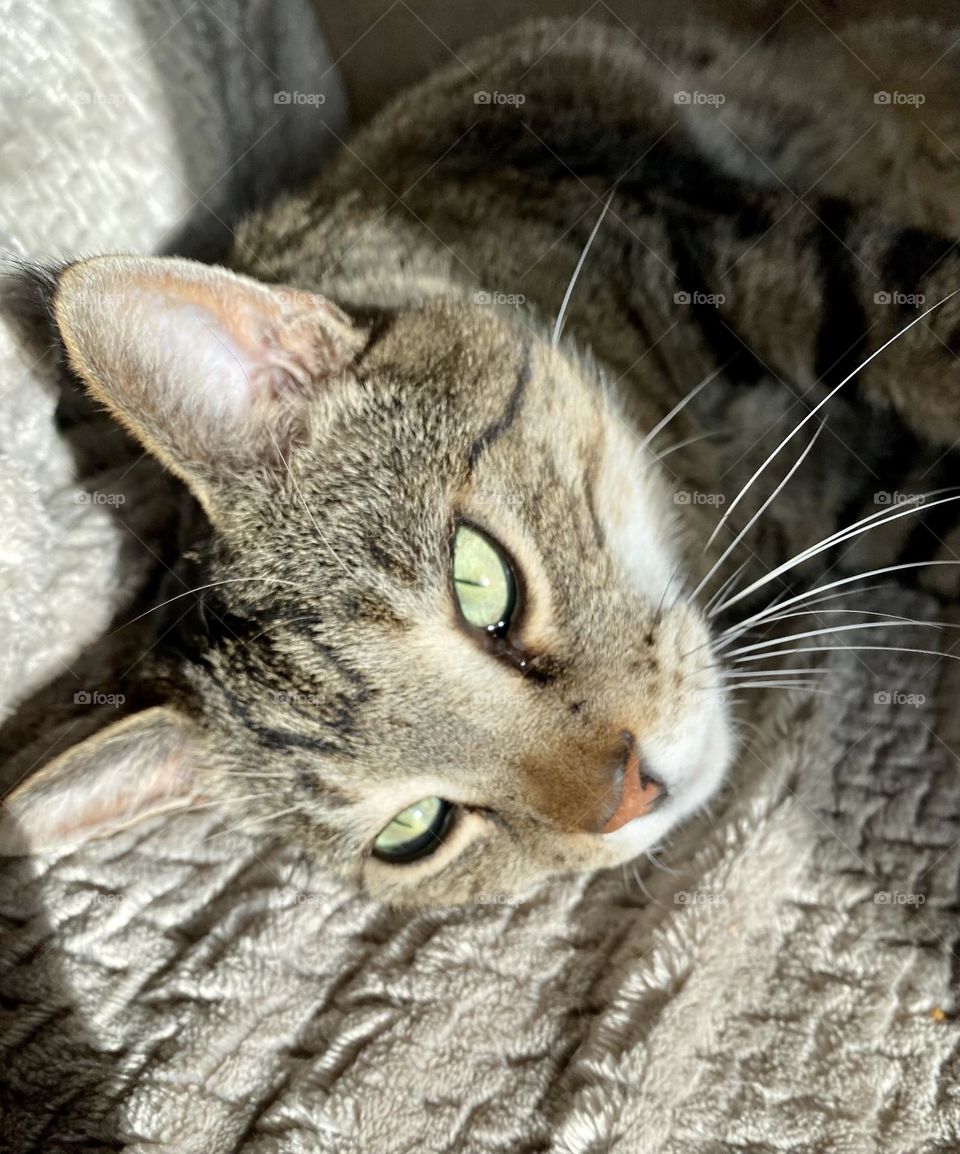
x,y
446,651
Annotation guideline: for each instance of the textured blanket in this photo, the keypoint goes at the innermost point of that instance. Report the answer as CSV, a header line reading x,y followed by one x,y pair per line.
x,y
782,978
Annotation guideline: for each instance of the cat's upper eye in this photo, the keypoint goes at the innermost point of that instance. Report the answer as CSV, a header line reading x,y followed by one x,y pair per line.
x,y
415,832
483,581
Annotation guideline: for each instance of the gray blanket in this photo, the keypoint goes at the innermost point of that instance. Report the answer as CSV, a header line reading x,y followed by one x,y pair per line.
x,y
781,978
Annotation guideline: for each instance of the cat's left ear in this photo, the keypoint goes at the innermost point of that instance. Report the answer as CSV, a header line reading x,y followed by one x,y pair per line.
x,y
140,767
208,369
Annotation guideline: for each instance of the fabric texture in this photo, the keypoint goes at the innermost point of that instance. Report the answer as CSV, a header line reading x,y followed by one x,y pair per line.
x,y
784,979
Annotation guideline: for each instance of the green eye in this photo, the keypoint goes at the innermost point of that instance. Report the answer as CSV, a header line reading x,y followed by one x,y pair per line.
x,y
482,580
415,832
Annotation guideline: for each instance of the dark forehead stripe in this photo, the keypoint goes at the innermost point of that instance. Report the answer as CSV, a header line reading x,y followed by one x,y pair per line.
x,y
498,427
589,483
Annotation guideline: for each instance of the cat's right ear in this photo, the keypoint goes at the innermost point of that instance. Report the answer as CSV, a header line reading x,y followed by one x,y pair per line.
x,y
140,767
208,369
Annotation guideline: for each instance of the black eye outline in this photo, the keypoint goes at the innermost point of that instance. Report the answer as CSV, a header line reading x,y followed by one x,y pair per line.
x,y
502,628
426,843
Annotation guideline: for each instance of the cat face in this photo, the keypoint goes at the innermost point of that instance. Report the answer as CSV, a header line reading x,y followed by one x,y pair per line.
x,y
447,650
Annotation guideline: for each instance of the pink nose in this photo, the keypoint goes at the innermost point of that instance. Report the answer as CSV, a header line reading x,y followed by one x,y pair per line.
x,y
639,792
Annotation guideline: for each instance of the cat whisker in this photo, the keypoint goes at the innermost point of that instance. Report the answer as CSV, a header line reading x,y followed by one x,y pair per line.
x,y
812,413
688,441
756,516
806,686
681,404
843,649
333,553
723,590
805,607
658,864
800,598
856,530
638,878
562,314
893,617
200,589
254,823
830,630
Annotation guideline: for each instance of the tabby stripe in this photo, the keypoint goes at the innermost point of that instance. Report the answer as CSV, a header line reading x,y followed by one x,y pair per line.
x,y
726,346
911,257
500,426
890,472
842,336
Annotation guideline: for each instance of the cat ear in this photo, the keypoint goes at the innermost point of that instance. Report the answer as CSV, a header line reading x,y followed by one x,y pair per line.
x,y
204,366
137,768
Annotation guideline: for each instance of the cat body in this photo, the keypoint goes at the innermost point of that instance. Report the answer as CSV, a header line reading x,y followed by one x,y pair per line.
x,y
469,334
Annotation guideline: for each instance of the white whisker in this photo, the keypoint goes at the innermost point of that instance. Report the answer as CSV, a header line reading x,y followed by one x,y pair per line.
x,y
759,513
562,314
844,649
662,424
683,444
855,530
254,822
808,687
732,635
800,598
320,533
806,607
757,645
200,589
724,588
819,406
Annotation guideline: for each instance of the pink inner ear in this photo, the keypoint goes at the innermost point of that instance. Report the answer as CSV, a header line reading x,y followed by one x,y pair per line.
x,y
141,767
192,357
225,376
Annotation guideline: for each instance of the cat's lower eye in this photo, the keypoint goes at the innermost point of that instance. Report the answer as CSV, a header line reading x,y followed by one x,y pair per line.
x,y
483,581
415,832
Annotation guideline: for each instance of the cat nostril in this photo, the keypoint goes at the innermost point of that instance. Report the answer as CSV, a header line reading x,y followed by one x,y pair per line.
x,y
640,790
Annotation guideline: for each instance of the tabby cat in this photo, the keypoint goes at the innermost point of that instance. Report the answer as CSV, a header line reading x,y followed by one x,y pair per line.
x,y
452,624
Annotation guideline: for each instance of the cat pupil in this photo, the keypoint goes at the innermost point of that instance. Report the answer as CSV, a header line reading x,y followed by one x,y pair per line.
x,y
483,581
415,832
